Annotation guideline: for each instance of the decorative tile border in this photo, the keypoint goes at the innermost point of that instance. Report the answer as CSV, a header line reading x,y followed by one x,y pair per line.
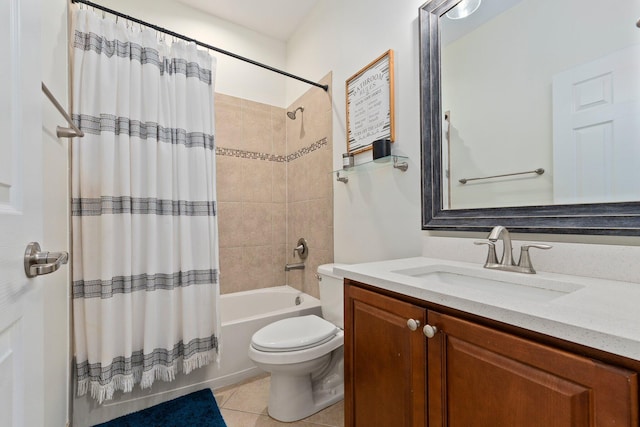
x,y
307,150
243,154
221,151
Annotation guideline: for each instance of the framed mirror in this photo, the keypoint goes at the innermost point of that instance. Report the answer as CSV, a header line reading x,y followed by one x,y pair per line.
x,y
530,116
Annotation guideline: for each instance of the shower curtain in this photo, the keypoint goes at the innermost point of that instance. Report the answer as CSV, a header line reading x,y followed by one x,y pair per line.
x,y
145,250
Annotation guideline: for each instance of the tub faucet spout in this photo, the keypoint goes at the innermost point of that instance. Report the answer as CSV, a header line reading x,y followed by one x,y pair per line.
x,y
297,266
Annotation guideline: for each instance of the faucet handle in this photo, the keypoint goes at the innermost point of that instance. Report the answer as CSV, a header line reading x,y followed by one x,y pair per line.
x,y
302,249
492,258
525,259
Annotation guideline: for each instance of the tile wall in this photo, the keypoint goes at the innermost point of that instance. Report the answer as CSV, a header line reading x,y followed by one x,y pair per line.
x,y
310,185
274,186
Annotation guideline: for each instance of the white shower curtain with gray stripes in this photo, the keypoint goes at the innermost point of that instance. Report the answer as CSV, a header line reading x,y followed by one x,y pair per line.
x,y
145,249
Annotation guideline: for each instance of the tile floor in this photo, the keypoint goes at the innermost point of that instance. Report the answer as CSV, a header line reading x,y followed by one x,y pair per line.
x,y
245,405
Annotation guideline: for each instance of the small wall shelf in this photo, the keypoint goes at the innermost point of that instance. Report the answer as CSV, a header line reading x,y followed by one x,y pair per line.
x,y
398,162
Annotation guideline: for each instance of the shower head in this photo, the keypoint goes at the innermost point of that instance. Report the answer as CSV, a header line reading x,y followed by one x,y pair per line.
x,y
292,114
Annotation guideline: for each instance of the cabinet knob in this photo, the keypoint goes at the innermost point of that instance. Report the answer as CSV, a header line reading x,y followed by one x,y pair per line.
x,y
430,331
413,324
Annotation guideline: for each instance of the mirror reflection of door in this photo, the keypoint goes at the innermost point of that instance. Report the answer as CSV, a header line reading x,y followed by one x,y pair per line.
x,y
596,131
498,68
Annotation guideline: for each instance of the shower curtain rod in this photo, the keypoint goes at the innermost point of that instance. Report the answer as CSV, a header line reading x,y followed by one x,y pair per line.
x,y
216,49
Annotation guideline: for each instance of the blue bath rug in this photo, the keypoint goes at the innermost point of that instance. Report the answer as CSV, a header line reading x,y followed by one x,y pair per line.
x,y
196,409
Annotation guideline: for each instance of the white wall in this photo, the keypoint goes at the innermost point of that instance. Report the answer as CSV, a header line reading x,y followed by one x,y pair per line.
x,y
377,215
234,77
56,211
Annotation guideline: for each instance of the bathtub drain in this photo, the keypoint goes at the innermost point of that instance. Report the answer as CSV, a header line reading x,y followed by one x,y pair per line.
x,y
298,300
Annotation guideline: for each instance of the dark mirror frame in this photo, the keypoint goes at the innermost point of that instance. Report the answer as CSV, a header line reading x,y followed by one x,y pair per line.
x,y
621,219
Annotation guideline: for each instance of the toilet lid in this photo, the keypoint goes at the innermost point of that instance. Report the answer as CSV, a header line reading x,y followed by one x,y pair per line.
x,y
294,333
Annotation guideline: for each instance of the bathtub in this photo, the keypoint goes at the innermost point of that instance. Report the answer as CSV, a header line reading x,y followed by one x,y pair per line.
x,y
242,314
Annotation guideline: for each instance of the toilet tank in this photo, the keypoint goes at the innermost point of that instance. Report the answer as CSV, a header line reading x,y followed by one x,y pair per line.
x,y
331,295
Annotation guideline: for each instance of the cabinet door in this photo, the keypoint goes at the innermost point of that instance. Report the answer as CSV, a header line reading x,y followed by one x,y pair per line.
x,y
385,373
485,378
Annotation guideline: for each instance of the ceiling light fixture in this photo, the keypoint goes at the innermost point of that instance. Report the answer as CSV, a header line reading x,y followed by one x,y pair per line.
x,y
464,9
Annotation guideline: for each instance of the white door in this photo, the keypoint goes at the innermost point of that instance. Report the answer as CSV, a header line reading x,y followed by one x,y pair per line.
x,y
596,131
21,216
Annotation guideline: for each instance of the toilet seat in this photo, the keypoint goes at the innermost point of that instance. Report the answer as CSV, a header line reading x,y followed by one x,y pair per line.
x,y
281,358
294,333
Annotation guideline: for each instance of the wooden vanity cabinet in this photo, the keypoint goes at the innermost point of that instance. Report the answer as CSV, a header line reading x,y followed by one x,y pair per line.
x,y
479,376
474,374
385,373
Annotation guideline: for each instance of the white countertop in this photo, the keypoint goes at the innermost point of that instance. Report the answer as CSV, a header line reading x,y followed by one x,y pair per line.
x,y
602,314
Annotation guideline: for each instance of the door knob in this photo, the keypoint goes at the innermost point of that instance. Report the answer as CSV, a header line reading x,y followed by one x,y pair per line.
x,y
37,262
429,331
413,324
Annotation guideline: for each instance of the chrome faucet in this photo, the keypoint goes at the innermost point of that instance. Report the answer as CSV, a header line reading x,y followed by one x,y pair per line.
x,y
507,249
302,250
507,263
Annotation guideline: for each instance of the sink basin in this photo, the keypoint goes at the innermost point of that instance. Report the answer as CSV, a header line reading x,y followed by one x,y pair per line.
x,y
499,284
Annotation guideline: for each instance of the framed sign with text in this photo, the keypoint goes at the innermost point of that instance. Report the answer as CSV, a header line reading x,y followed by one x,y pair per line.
x,y
370,104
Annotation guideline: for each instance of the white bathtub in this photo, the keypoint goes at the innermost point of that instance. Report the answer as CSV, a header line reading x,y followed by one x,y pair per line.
x,y
245,307
242,314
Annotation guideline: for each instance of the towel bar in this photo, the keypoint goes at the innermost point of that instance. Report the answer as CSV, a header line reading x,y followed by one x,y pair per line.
x,y
60,131
538,171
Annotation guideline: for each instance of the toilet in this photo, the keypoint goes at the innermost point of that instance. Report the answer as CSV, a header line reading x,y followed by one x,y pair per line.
x,y
305,355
